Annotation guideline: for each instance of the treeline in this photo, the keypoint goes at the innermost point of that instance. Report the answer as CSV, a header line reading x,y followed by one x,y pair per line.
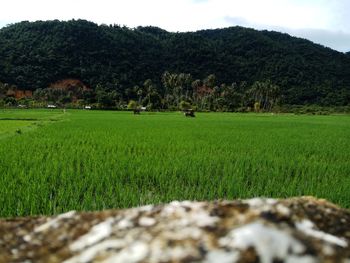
x,y
112,61
176,92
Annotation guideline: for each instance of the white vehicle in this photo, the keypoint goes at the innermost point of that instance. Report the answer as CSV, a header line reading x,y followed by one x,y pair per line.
x,y
87,107
51,106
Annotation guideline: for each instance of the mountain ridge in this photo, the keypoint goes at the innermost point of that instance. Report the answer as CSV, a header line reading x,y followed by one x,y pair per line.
x,y
35,54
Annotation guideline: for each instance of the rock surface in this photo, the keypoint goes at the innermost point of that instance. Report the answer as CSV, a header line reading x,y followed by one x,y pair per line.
x,y
257,230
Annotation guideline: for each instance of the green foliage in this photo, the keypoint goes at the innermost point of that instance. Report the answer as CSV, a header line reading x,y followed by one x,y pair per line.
x,y
35,54
132,105
185,105
3,90
10,101
257,107
265,95
105,159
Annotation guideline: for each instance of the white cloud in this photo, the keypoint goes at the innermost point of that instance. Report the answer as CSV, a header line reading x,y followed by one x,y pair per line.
x,y
338,40
190,15
335,39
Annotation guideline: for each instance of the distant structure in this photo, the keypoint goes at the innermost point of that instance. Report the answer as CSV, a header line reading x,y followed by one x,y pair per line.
x,y
189,113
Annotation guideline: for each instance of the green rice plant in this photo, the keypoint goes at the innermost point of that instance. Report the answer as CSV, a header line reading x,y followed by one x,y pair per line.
x,y
91,160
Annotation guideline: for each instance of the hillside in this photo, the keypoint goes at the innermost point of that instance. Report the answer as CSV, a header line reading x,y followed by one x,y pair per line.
x,y
36,54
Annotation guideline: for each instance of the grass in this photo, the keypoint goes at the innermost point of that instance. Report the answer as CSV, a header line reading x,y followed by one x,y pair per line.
x,y
16,121
90,160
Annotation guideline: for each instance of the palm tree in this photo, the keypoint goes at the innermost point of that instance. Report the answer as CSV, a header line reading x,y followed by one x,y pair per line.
x,y
265,93
169,81
149,88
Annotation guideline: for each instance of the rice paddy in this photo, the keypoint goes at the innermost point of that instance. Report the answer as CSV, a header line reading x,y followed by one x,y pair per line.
x,y
52,162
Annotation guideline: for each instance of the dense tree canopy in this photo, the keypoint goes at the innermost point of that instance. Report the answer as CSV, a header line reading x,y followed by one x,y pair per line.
x,y
126,63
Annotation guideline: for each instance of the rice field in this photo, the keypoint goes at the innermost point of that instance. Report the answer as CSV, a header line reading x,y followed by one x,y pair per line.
x,y
52,162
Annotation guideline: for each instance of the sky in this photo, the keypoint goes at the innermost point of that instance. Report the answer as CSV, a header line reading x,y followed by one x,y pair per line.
x,y
325,22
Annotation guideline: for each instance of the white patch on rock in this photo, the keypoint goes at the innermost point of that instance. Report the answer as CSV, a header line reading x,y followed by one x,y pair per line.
x,y
189,213
96,234
49,224
161,252
300,259
172,208
14,251
134,253
54,222
27,238
221,256
269,243
182,233
328,250
259,205
260,202
125,223
145,208
307,227
189,203
203,219
147,221
90,253
283,210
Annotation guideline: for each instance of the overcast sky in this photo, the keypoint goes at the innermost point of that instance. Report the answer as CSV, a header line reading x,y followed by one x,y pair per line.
x,y
322,21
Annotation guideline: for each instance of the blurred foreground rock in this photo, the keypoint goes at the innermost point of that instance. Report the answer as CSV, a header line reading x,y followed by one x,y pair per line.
x,y
256,230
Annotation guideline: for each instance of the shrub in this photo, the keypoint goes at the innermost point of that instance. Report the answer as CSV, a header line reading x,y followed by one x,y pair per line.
x,y
132,105
185,105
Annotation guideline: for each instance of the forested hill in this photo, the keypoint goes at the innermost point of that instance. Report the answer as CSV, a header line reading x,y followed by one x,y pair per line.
x,y
35,54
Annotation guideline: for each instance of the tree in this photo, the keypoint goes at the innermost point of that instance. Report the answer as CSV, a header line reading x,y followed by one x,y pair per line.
x,y
10,101
210,81
257,106
3,90
132,105
185,105
196,84
183,83
265,93
178,85
129,93
139,93
34,55
150,89
227,98
106,99
169,81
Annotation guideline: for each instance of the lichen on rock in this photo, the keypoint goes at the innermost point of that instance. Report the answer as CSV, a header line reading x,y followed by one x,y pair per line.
x,y
301,229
